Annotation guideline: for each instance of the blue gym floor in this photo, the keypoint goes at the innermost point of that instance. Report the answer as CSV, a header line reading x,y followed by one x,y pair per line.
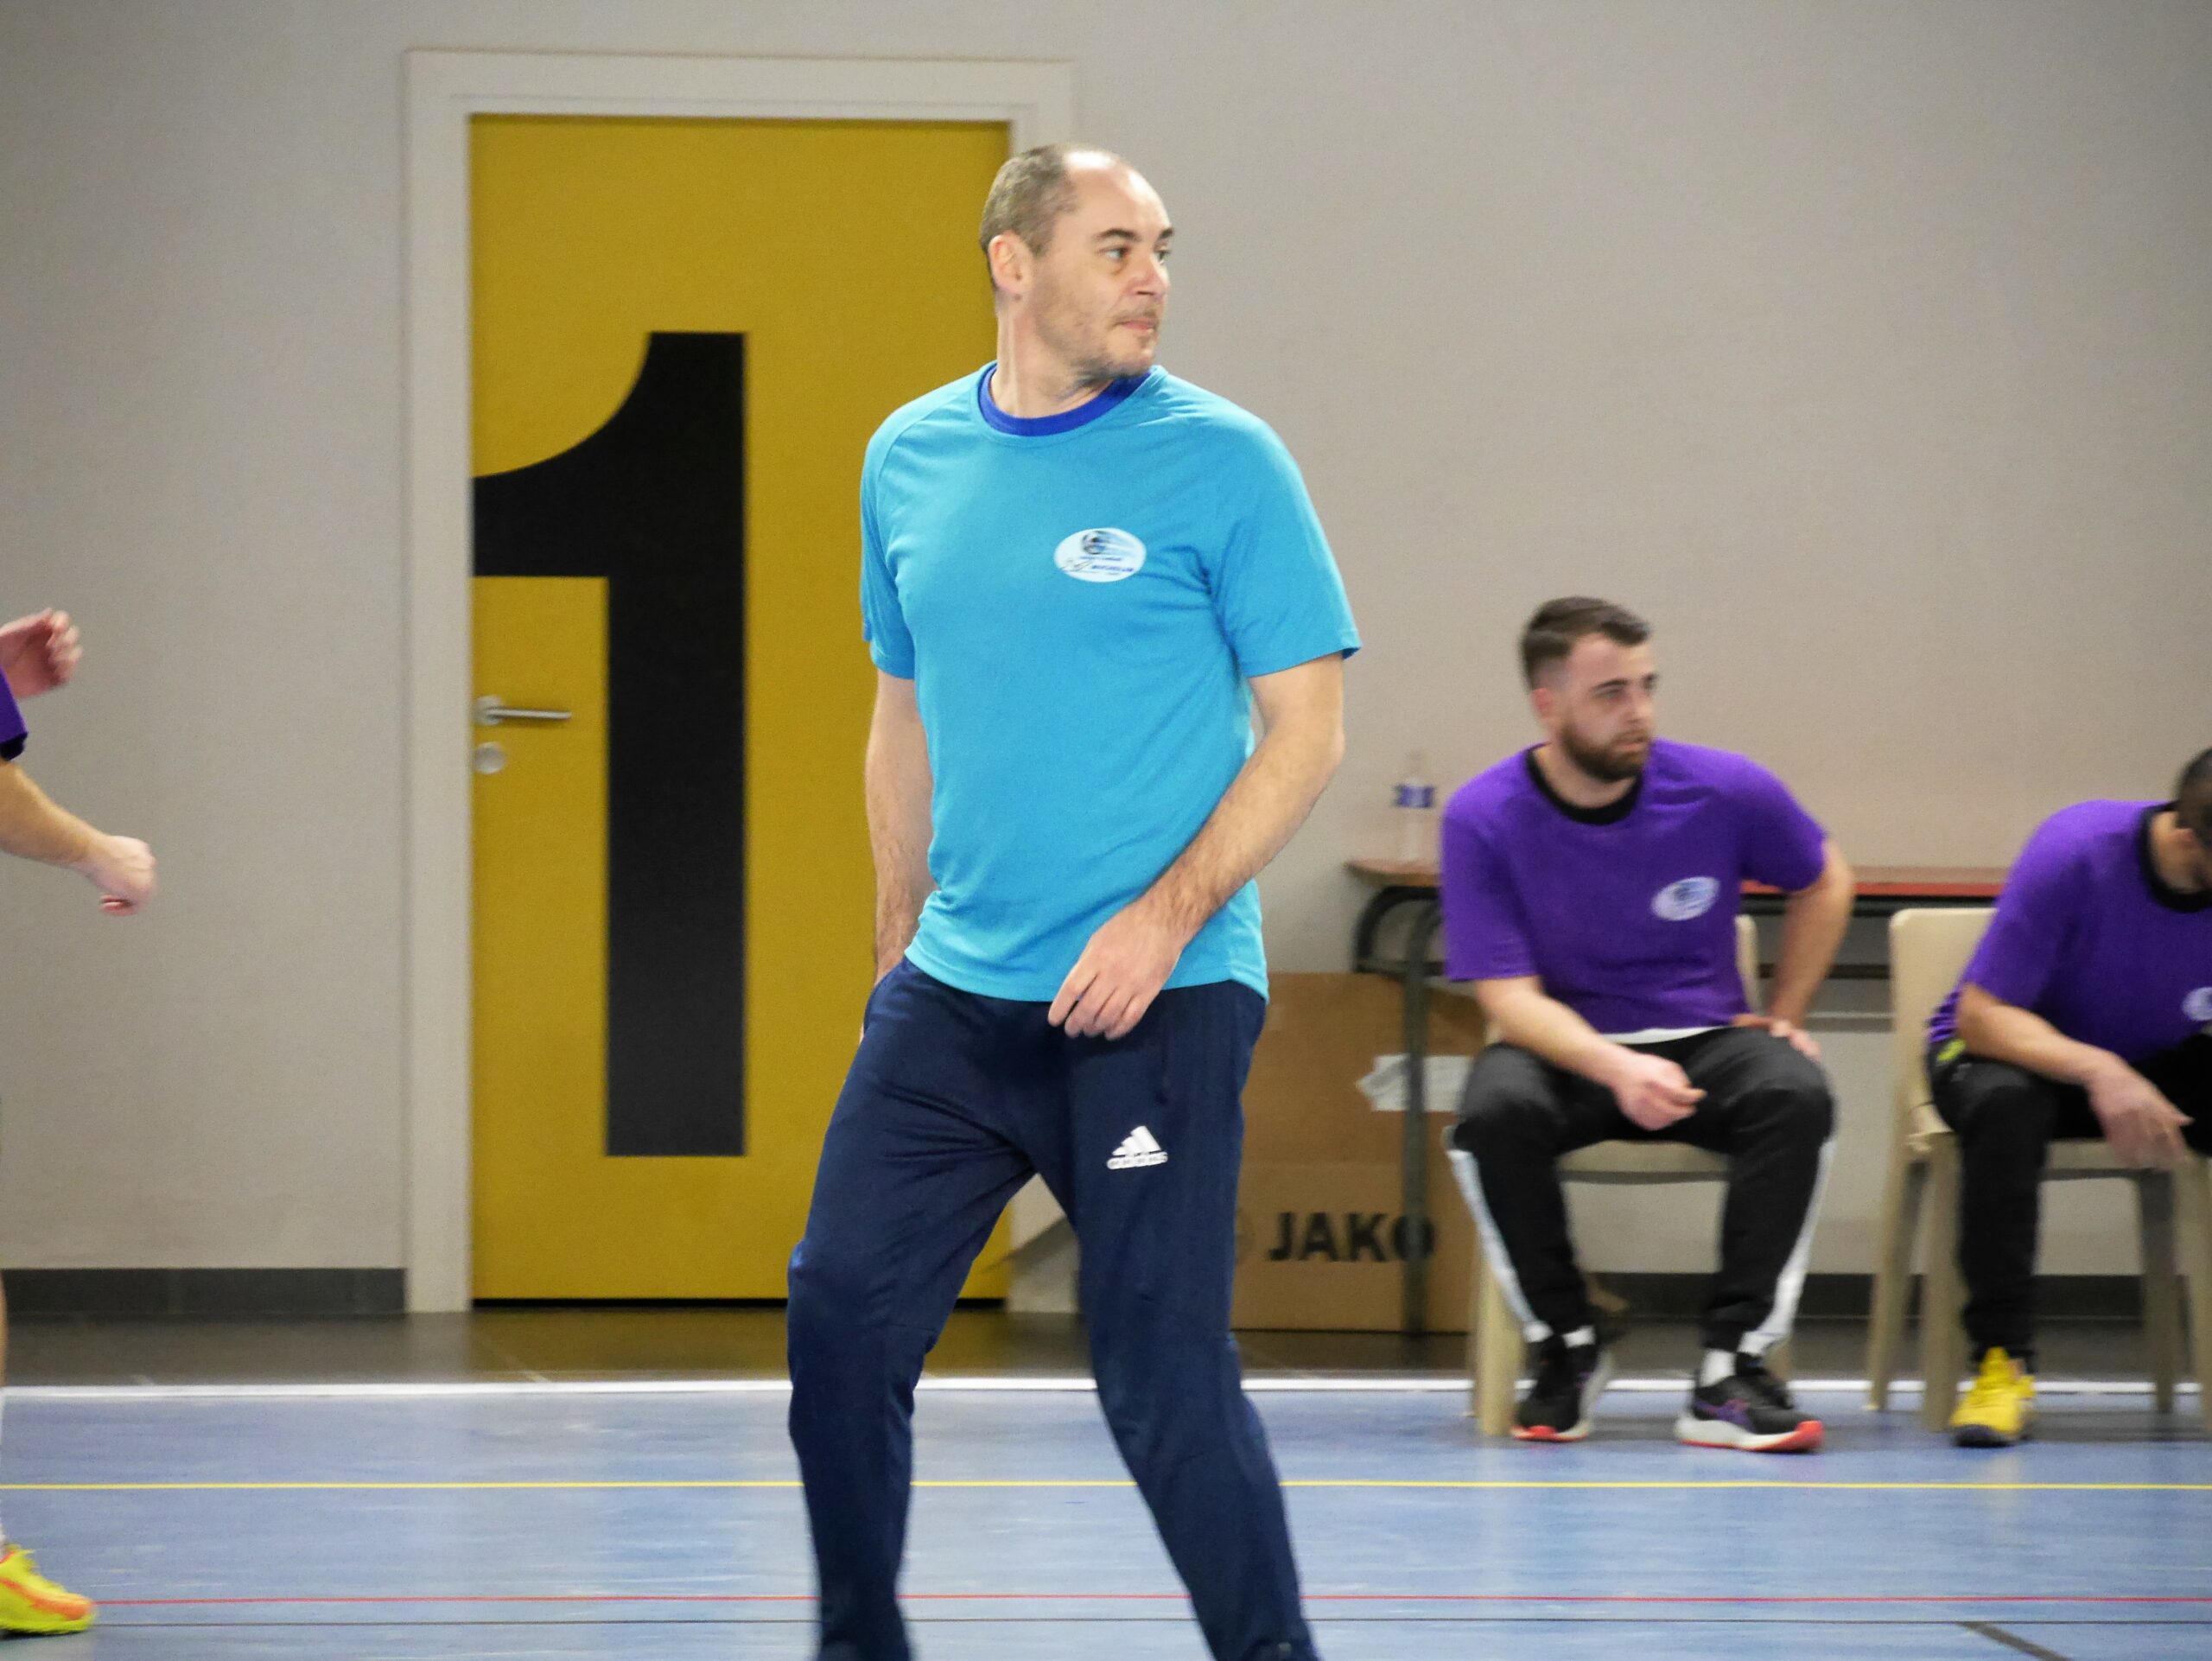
x,y
636,1519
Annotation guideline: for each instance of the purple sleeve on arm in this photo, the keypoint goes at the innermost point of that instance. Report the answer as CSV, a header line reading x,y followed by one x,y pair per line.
x,y
2026,939
1484,935
1784,845
11,724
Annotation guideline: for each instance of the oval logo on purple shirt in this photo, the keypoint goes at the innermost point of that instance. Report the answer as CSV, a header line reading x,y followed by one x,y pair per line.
x,y
1678,902
1101,556
2197,1006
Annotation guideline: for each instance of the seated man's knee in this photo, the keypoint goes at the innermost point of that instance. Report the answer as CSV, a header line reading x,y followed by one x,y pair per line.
x,y
1800,1096
2004,1086
1993,1103
1506,1103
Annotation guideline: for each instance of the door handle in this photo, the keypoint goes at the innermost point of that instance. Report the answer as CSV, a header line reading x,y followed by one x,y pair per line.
x,y
491,711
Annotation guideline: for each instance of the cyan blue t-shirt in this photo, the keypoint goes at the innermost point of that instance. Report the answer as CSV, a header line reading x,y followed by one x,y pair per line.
x,y
1079,600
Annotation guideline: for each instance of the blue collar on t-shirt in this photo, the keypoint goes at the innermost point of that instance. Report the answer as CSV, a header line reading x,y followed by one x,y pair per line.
x,y
1044,426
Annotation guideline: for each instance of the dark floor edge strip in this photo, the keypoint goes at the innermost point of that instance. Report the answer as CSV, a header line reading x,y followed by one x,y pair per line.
x,y
1981,1629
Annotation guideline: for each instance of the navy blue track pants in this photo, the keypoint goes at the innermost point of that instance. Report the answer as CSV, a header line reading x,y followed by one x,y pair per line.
x,y
952,1102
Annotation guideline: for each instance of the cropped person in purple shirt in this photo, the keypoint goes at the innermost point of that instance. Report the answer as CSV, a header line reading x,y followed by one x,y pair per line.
x,y
1591,887
2085,1011
38,654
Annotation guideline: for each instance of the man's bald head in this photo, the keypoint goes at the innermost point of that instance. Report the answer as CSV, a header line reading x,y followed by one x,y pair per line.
x,y
1034,190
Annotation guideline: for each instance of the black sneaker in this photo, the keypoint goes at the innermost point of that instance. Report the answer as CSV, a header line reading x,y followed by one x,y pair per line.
x,y
1751,1409
1569,1379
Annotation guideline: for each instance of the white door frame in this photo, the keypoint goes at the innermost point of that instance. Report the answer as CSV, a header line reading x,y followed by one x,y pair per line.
x,y
444,89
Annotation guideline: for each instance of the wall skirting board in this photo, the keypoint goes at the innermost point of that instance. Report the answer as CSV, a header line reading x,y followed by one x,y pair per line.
x,y
138,1292
278,1292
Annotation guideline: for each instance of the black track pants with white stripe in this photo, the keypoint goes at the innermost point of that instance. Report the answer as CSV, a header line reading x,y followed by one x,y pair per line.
x,y
1766,1107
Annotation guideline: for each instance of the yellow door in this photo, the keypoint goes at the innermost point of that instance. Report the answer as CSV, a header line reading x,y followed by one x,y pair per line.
x,y
684,331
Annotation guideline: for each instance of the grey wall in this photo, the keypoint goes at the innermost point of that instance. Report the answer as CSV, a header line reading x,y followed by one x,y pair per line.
x,y
1867,347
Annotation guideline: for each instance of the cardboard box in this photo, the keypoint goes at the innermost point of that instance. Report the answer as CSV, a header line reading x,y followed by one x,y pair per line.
x,y
1321,1234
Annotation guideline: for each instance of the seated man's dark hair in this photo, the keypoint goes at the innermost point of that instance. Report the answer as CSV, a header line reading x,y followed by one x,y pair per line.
x,y
2193,795
1558,624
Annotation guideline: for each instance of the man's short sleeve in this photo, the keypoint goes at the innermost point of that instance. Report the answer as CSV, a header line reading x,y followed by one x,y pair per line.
x,y
1275,584
1783,846
882,623
1485,936
2027,941
12,734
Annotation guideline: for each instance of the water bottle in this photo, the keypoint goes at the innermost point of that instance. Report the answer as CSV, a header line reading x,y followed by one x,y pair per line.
x,y
1414,808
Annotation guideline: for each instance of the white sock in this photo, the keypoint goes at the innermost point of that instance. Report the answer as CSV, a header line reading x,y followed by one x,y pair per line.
x,y
1716,1365
1580,1336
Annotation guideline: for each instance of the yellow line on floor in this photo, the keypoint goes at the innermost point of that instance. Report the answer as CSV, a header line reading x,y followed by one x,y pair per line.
x,y
1387,1483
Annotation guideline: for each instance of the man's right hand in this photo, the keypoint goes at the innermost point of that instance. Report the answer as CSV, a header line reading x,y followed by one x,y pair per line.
x,y
2143,1127
122,869
1652,1090
38,652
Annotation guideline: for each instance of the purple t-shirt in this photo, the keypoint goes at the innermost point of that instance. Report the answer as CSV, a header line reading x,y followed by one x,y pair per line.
x,y
2088,938
11,724
1627,913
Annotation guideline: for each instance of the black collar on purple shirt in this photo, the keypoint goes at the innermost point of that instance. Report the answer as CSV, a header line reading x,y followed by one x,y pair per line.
x,y
2162,890
1610,814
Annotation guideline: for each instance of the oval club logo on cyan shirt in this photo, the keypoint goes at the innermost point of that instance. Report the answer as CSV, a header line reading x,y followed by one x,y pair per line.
x,y
1693,896
2197,1007
1102,556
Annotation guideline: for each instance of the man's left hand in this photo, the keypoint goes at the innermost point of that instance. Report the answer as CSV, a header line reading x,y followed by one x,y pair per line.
x,y
1119,974
1791,1033
38,652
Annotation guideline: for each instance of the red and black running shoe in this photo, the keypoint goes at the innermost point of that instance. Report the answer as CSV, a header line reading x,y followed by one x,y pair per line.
x,y
1568,1380
1750,1409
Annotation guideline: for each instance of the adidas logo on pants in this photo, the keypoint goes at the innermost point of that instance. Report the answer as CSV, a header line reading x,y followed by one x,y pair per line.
x,y
1139,1147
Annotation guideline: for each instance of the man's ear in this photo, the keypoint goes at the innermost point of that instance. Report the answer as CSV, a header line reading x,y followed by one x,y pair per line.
x,y
1010,262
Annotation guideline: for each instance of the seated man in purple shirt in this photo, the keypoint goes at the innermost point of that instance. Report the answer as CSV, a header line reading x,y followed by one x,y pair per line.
x,y
2085,1011
1591,886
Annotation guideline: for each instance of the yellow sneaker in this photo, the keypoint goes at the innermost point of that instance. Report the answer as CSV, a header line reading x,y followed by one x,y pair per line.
x,y
31,1603
1999,1407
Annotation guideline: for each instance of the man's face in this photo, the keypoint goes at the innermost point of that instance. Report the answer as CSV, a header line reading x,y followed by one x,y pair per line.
x,y
1098,293
1600,707
2195,817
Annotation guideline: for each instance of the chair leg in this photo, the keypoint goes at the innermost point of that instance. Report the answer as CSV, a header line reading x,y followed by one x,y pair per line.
x,y
1497,1360
2193,1206
2154,1204
1901,1198
1943,1343
1475,1279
